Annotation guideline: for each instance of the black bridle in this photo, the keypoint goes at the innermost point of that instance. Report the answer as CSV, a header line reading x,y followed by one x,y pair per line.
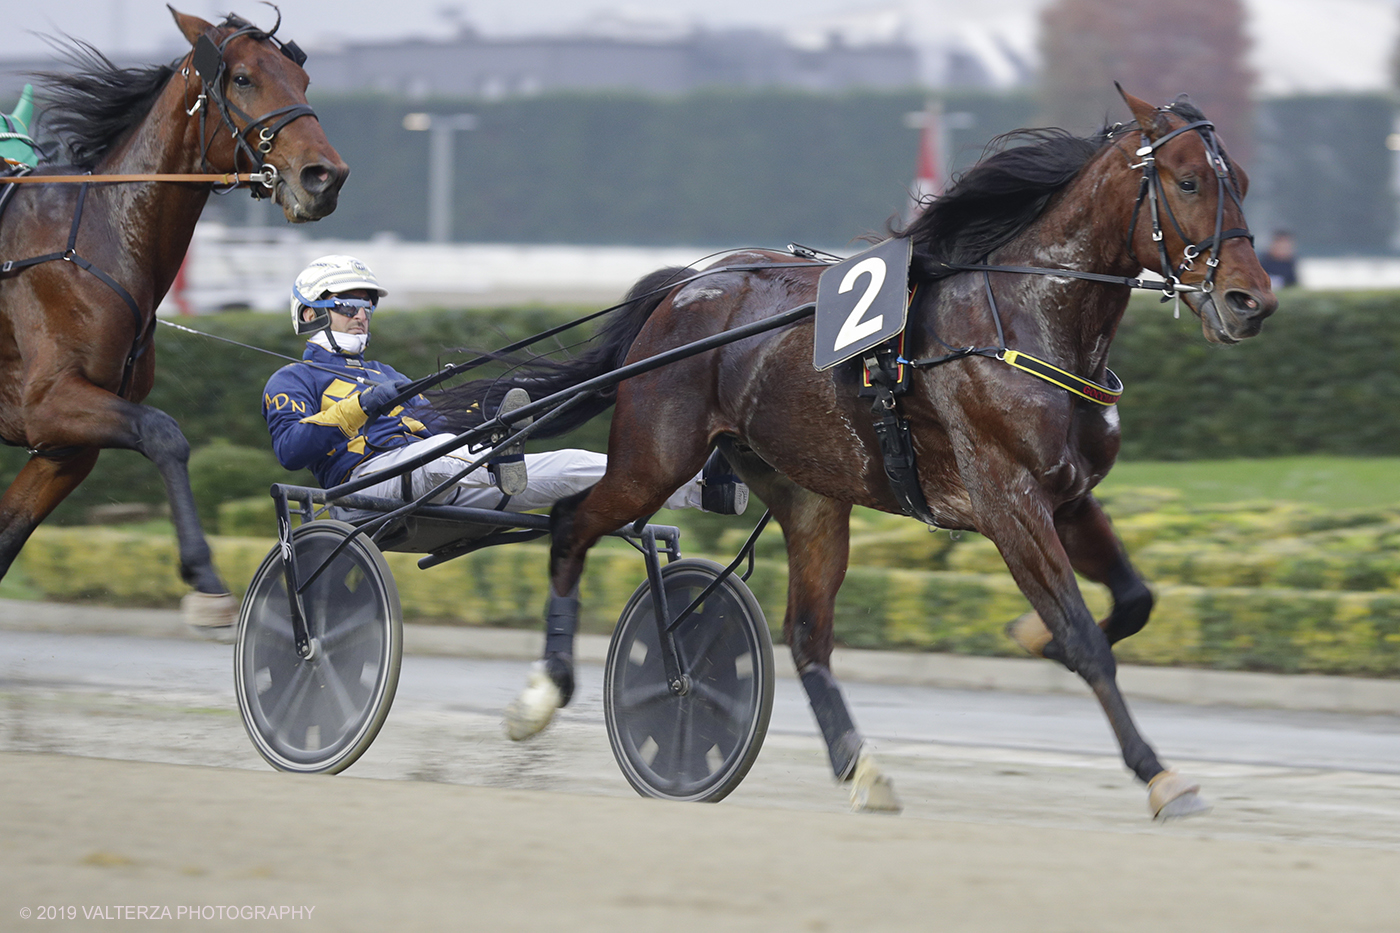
x,y
1152,191
208,62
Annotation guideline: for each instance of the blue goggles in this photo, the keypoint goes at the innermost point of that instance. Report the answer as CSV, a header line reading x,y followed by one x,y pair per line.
x,y
349,307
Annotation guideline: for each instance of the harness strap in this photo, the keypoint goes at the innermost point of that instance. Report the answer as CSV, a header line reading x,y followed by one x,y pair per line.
x,y
1152,284
1077,385
70,254
896,448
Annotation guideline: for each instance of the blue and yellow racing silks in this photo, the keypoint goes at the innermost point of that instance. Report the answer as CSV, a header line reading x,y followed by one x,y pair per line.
x,y
316,420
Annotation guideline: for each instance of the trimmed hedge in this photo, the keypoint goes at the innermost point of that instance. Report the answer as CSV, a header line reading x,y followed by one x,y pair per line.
x,y
1230,628
1320,379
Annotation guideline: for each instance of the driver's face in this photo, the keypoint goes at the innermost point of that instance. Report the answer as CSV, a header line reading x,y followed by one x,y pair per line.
x,y
340,324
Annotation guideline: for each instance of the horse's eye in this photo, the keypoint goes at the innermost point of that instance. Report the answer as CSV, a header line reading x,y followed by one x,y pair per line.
x,y
1188,185
242,81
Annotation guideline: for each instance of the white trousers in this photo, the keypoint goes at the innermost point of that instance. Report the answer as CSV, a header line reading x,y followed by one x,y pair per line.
x,y
553,475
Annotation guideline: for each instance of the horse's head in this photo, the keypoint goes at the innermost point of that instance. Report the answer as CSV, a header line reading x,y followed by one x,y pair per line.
x,y
255,88
1189,223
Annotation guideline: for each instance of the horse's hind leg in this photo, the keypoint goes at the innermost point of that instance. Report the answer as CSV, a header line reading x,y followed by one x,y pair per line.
x,y
817,531
75,413
40,486
1097,554
635,485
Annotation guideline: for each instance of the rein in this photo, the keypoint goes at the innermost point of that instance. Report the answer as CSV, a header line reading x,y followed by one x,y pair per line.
x,y
231,179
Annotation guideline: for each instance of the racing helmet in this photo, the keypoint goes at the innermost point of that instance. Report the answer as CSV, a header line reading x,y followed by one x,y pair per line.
x,y
334,274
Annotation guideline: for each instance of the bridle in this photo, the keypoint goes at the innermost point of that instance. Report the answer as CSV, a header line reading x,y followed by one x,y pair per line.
x,y
207,60
1151,190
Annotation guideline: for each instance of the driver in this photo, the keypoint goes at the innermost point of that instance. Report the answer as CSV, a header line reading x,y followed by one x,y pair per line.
x,y
331,414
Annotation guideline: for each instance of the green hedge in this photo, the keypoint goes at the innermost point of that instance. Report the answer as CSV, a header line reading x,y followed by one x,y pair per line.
x,y
1230,628
1320,379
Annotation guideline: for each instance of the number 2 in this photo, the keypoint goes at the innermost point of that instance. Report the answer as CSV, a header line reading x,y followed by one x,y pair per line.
x,y
854,328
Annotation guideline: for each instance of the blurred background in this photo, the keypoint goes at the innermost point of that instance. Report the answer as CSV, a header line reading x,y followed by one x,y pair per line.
x,y
604,127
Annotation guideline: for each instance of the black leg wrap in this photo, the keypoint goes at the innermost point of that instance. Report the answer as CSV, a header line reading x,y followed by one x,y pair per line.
x,y
560,624
843,740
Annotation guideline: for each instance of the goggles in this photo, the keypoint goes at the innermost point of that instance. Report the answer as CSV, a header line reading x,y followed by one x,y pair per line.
x,y
349,306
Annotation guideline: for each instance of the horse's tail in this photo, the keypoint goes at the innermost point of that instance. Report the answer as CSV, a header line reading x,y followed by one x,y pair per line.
x,y
470,404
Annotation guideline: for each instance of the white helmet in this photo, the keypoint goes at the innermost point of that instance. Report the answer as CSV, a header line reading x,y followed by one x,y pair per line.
x,y
332,274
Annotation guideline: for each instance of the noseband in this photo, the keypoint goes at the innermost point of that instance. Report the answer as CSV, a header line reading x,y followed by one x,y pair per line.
x,y
1151,191
208,62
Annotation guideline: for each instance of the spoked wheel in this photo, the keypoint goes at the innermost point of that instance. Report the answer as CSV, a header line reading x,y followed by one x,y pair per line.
x,y
319,714
700,744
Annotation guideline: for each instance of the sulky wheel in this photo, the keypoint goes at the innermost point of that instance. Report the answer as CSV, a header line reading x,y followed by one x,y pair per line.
x,y
700,744
319,714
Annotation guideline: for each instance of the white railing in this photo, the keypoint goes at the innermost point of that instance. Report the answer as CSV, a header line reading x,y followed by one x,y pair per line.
x,y
253,267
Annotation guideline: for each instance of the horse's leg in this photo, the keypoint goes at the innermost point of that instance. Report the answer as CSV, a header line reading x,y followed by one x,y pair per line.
x,y
635,485
1014,515
76,413
817,531
1096,553
36,491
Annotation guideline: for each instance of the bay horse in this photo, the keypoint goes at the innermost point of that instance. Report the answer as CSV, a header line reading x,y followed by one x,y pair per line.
x,y
1031,250
76,351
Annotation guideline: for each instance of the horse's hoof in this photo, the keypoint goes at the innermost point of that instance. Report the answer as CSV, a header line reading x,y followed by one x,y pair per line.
x,y
871,790
1172,797
530,712
211,615
1030,633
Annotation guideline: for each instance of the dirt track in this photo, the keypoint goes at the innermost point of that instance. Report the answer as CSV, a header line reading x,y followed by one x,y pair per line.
x,y
393,855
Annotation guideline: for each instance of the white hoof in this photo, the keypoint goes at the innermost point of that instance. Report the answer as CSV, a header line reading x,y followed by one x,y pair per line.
x,y
530,712
872,791
211,615
1172,797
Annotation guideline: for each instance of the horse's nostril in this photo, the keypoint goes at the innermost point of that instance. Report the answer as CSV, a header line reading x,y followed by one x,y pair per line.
x,y
317,178
1248,305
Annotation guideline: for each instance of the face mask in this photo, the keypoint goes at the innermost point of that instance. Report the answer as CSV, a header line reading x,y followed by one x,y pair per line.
x,y
345,344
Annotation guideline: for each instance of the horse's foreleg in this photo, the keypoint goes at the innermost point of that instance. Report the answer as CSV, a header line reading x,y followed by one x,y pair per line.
x,y
41,485
817,531
1019,522
1096,553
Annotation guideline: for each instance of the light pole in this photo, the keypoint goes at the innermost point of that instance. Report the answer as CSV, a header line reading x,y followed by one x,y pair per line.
x,y
440,158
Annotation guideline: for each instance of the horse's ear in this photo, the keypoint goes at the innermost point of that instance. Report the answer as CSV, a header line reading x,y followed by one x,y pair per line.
x,y
1149,118
192,26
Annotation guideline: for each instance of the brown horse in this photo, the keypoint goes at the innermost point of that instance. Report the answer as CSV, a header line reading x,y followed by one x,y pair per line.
x,y
998,450
76,353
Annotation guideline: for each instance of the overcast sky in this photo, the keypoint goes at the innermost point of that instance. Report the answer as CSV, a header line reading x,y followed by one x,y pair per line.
x,y
1299,45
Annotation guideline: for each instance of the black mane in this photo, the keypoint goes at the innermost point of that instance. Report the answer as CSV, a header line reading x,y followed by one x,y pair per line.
x,y
90,108
999,196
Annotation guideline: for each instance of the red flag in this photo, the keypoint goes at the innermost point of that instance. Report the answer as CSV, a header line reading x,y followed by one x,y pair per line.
x,y
928,178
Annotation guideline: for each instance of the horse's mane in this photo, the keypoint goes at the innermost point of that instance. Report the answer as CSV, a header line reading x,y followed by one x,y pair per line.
x,y
90,108
998,197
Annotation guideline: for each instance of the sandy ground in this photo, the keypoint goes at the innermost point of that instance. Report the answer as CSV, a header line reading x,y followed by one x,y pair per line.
x,y
124,795
375,855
